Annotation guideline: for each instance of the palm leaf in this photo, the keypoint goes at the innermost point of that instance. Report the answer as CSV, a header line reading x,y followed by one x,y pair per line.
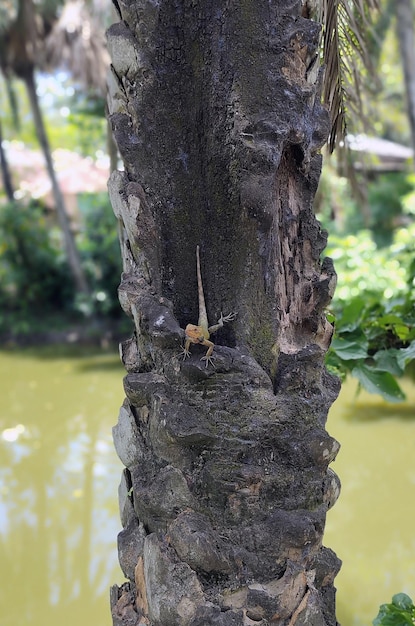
x,y
77,42
347,27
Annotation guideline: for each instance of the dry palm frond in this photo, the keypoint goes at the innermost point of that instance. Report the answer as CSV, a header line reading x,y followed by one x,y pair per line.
x,y
77,42
347,24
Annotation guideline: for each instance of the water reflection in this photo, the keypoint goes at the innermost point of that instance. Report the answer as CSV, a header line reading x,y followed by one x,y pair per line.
x,y
371,527
58,485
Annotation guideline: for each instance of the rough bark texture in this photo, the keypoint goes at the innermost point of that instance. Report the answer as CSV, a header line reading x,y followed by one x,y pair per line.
x,y
226,487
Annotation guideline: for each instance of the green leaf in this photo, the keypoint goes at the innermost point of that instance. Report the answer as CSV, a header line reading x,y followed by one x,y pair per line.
x,y
401,612
389,320
375,381
351,315
401,331
330,317
394,323
403,601
352,348
390,615
406,355
387,361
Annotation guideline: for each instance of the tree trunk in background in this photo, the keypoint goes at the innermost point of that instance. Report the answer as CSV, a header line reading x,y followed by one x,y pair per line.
x,y
405,23
70,246
226,484
5,171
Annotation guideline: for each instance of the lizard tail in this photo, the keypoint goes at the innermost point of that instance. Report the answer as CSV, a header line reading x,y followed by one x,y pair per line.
x,y
203,321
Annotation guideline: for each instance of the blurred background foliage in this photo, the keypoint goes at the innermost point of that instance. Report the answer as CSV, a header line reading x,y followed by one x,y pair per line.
x,y
367,204
366,201
74,118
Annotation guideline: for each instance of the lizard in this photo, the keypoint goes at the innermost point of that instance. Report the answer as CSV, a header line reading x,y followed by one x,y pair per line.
x,y
200,333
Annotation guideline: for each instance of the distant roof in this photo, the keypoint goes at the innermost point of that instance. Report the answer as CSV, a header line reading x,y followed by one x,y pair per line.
x,y
382,154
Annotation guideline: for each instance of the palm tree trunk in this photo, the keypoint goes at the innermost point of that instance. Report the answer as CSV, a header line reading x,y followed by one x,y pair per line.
x,y
405,24
5,170
226,484
70,246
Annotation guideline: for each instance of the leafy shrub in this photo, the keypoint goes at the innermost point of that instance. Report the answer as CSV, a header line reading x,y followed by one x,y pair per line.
x,y
385,199
33,273
35,280
383,204
400,612
334,204
373,312
100,251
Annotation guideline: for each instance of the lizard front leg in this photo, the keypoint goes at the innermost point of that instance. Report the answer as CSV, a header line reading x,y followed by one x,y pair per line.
x,y
208,356
221,322
185,349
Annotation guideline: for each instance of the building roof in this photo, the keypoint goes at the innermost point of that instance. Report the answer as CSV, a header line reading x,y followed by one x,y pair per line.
x,y
380,155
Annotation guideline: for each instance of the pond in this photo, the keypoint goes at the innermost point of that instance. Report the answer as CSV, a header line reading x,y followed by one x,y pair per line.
x,y
59,477
58,481
372,525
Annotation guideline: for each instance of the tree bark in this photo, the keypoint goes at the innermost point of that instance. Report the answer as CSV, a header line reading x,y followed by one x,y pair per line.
x,y
226,483
70,246
405,25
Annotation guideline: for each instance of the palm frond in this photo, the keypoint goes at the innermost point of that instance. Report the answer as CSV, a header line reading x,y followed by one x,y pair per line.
x,y
77,42
347,26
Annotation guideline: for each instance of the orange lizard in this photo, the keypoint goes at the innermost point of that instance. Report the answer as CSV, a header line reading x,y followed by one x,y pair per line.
x,y
200,334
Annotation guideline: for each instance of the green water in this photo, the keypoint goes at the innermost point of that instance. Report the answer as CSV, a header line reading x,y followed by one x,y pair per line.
x,y
58,487
58,492
372,526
